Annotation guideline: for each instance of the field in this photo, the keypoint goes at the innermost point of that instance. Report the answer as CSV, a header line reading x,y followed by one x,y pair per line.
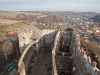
x,y
38,15
14,14
9,14
15,26
3,31
7,18
8,22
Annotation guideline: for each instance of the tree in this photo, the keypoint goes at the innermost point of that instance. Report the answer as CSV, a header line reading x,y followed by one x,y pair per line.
x,y
2,59
62,28
7,48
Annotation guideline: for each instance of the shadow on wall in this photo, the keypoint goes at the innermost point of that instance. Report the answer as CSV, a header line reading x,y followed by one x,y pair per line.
x,y
46,42
29,52
23,48
33,49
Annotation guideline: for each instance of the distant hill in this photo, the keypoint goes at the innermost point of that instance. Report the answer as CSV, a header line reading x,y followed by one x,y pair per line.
x,y
96,18
90,13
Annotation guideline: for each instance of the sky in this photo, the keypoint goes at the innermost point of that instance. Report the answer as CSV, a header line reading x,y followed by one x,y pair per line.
x,y
51,5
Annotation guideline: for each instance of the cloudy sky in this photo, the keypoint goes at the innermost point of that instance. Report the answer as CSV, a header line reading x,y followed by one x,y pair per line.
x,y
51,5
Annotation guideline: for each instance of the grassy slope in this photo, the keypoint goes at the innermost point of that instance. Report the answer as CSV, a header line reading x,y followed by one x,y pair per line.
x,y
14,14
15,26
3,32
9,14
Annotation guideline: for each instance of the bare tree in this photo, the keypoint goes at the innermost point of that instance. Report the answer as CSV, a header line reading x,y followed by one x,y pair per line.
x,y
2,60
7,48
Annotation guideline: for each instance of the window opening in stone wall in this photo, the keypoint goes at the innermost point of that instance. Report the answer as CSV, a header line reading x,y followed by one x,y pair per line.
x,y
23,37
24,44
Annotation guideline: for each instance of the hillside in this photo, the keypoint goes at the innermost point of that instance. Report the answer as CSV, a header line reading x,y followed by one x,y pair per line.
x,y
20,16
8,21
96,18
12,15
11,21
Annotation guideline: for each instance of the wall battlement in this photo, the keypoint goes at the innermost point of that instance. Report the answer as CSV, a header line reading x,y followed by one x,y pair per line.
x,y
82,61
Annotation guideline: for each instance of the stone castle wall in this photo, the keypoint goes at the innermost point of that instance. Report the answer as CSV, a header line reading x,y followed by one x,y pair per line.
x,y
28,52
54,70
83,63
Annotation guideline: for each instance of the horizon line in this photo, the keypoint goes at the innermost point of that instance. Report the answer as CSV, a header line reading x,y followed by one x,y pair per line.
x,y
47,11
